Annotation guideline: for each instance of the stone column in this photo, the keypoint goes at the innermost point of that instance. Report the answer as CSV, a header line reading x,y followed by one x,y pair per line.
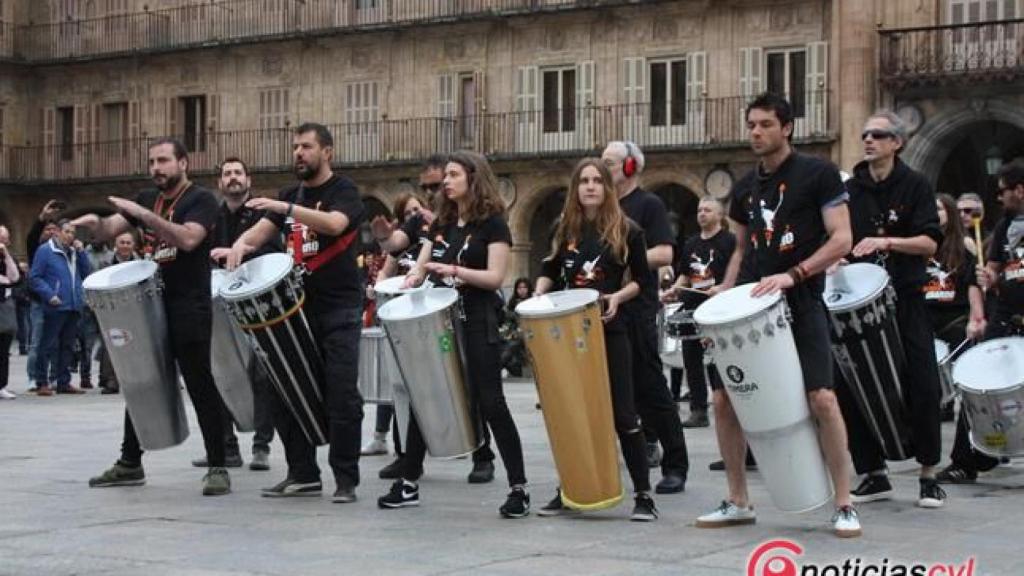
x,y
855,40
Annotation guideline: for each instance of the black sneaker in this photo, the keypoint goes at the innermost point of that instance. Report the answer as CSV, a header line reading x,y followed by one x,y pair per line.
x,y
644,510
517,505
555,507
344,495
483,472
932,495
872,489
954,474
289,488
402,494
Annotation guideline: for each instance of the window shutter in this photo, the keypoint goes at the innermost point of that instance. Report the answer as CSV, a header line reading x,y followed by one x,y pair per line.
x,y
82,124
817,86
134,119
172,118
212,113
480,82
446,95
633,86
697,76
751,76
585,84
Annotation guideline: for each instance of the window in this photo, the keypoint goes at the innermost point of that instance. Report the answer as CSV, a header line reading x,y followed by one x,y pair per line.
x,y
966,11
273,108
114,122
365,4
193,122
66,132
668,92
787,75
559,100
361,104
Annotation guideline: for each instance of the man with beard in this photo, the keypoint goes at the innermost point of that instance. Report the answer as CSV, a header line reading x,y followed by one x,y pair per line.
x,y
403,245
654,402
234,218
176,219
326,210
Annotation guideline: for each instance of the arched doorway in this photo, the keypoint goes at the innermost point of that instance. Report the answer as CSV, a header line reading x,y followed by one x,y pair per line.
x,y
542,226
681,204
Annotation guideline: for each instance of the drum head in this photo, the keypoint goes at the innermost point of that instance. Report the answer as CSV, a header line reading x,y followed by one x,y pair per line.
x,y
257,276
732,305
120,275
941,349
417,304
218,278
994,365
393,286
854,285
557,303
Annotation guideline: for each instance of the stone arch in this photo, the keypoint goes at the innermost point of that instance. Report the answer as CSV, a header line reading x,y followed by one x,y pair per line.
x,y
539,215
681,197
932,144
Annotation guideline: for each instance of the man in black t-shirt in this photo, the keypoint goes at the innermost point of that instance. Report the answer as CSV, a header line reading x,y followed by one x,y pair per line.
x,y
1004,271
176,219
321,217
701,266
234,218
654,401
895,223
791,223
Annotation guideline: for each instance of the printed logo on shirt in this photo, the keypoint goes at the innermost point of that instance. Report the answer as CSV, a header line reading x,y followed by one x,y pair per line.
x,y
157,250
701,276
590,273
786,243
440,247
940,286
304,236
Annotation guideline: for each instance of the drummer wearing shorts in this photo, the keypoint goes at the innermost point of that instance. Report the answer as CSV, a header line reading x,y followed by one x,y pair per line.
x,y
790,218
177,219
895,222
323,209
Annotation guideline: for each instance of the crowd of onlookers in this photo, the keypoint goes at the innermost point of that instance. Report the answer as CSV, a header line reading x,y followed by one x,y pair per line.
x,y
42,306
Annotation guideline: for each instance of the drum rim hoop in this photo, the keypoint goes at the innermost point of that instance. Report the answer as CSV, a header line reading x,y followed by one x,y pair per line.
x,y
592,296
957,375
106,272
270,282
765,303
863,300
385,311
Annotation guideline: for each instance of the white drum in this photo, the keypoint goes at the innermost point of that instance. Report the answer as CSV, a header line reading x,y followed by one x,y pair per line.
x,y
943,359
753,347
990,377
670,349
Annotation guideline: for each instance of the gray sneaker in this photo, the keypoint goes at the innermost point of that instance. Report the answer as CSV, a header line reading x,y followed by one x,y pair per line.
x,y
231,460
119,475
344,495
260,461
216,482
697,419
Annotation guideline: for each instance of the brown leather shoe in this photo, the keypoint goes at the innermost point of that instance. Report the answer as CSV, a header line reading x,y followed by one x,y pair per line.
x,y
43,391
70,390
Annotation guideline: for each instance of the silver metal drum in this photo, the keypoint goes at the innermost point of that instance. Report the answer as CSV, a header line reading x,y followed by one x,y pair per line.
x,y
670,349
943,357
232,358
378,372
424,332
991,381
128,302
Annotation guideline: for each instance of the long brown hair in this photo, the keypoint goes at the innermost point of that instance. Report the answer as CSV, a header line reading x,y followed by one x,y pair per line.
x,y
403,200
482,188
951,251
611,222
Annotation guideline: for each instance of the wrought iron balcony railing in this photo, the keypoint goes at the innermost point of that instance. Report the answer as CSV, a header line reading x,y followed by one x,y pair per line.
x,y
239,21
957,53
695,125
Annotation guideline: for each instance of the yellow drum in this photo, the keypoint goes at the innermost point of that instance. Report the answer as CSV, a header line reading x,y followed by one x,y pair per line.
x,y
565,340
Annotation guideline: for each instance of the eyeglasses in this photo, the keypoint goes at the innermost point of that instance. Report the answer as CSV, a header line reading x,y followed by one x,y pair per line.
x,y
430,187
876,134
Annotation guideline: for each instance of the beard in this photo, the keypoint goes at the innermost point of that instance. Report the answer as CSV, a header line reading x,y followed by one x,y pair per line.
x,y
169,183
307,171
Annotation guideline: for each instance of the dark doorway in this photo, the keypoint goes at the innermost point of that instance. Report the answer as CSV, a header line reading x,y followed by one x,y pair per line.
x,y
681,204
542,227
966,168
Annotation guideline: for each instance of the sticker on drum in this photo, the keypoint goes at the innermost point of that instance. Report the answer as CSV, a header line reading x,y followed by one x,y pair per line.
x,y
1010,407
119,337
445,342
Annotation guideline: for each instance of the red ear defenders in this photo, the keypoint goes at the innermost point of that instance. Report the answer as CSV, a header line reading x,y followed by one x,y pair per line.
x,y
629,164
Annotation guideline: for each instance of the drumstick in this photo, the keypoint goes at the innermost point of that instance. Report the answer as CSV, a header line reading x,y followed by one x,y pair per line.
x,y
947,357
976,221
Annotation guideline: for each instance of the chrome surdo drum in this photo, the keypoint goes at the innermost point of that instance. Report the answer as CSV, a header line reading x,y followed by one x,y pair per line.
x,y
378,372
266,297
990,377
669,349
868,352
232,359
127,299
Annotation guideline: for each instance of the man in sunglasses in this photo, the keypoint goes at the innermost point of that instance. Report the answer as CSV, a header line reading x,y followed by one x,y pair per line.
x,y
895,224
395,242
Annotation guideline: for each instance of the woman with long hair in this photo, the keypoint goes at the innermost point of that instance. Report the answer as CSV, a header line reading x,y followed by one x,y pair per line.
x,y
596,246
467,248
513,357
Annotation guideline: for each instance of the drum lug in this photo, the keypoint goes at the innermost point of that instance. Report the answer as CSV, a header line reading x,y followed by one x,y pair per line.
x,y
556,333
737,341
754,336
721,343
586,325
768,330
527,333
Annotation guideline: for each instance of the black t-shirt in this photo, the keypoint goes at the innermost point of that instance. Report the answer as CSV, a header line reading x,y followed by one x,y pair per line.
x,y
901,206
417,230
649,213
783,215
946,290
1007,249
466,246
186,275
704,260
590,263
338,283
231,225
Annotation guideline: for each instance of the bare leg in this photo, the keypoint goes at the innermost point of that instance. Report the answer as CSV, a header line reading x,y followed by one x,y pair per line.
x,y
733,447
832,434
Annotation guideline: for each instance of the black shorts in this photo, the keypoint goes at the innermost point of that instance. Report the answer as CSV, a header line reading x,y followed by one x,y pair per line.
x,y
813,341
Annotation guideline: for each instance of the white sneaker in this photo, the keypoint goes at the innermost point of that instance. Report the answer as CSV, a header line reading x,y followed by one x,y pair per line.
x,y
845,522
375,447
727,514
6,394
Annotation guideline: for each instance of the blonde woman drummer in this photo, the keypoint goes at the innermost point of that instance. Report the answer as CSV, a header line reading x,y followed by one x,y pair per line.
x,y
596,246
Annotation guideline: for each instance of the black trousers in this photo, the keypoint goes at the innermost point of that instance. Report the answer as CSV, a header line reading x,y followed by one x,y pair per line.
x,y
920,389
190,347
5,358
964,455
483,367
653,399
627,422
337,332
697,374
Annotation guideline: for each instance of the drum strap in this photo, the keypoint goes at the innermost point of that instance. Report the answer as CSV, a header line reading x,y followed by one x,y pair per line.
x,y
339,246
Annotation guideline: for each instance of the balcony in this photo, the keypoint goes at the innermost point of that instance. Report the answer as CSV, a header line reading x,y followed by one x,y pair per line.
x,y
702,124
247,21
957,54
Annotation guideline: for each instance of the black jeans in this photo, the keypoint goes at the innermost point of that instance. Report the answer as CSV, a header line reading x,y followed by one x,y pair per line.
x,y
337,332
5,358
920,389
627,422
696,375
190,347
483,368
653,399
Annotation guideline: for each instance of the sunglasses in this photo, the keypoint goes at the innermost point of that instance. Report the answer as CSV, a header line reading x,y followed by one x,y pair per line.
x,y
876,134
430,187
971,211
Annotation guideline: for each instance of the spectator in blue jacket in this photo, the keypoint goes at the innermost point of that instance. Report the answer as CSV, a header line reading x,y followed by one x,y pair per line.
x,y
58,268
